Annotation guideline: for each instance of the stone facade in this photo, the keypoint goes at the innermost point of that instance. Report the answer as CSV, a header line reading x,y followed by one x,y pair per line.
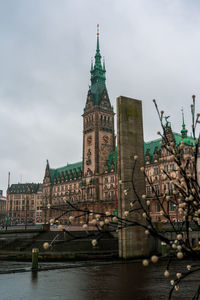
x,y
157,158
24,203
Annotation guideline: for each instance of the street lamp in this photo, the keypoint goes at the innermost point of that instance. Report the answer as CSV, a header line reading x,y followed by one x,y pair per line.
x,y
26,212
45,208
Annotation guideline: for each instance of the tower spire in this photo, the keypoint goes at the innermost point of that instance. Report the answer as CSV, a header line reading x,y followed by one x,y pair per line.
x,y
91,64
104,68
184,130
98,55
183,123
47,170
98,37
97,90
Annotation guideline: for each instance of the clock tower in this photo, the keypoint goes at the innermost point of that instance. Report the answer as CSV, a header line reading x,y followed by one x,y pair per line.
x,y
98,120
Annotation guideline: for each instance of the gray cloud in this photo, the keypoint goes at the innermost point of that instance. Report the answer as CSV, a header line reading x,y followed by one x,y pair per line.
x,y
151,49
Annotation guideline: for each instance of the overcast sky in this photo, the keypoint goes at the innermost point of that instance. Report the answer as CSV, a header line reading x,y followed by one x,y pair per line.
x,y
151,49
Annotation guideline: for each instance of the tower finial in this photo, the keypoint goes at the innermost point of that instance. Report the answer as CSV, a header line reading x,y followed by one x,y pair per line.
x,y
8,179
98,38
184,130
98,55
91,64
183,123
104,63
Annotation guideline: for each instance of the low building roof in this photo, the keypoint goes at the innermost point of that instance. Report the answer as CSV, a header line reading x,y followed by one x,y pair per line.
x,y
25,188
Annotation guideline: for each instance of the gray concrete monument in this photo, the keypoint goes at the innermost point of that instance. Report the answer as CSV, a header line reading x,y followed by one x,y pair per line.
x,y
132,240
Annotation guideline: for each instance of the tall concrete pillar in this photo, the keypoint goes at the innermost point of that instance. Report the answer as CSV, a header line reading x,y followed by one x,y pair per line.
x,y
132,240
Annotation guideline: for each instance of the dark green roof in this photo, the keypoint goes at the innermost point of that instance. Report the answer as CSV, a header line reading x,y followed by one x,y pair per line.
x,y
187,140
98,78
151,146
25,188
97,91
63,171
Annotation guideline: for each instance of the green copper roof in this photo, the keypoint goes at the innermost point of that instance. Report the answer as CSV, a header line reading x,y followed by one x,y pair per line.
x,y
98,78
188,140
68,170
152,145
24,188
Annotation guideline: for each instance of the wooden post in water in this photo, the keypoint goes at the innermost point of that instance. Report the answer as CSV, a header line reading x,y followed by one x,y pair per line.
x,y
35,253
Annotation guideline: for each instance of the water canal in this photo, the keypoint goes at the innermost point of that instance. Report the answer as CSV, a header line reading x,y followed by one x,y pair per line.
x,y
102,281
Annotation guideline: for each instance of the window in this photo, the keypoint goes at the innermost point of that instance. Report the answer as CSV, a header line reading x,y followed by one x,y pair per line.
x,y
148,189
170,188
158,207
157,189
168,153
155,171
186,150
171,206
166,168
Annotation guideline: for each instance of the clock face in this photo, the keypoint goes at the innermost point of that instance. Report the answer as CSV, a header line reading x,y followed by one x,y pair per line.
x,y
89,140
105,139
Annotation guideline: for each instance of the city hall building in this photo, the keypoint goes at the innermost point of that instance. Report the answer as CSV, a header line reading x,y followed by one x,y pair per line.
x,y
91,183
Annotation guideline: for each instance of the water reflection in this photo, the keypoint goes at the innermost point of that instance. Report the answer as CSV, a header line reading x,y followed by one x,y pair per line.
x,y
104,282
126,281
34,277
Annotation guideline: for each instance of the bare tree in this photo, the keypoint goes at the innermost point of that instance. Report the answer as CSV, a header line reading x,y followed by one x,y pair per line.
x,y
186,199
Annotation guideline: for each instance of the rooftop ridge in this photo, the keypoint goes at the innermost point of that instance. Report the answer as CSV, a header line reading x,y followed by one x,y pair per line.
x,y
70,166
152,141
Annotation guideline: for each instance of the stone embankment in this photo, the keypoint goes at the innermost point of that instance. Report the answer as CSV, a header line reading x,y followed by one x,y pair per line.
x,y
74,245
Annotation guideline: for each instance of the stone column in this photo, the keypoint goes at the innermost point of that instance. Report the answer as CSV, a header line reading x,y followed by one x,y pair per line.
x,y
130,142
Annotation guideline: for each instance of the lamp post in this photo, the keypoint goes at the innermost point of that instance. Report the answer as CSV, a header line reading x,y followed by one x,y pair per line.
x,y
26,212
45,208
